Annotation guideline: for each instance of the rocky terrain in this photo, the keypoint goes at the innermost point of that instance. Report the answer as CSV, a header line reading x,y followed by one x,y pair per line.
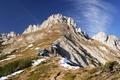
x,y
71,53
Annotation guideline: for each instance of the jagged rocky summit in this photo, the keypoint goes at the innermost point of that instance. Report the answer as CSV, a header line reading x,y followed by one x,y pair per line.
x,y
73,43
7,38
109,40
54,19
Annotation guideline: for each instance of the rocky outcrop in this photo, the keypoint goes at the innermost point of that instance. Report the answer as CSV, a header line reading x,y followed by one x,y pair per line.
x,y
109,40
79,51
7,38
1,40
118,44
73,44
11,35
31,28
52,20
58,18
101,36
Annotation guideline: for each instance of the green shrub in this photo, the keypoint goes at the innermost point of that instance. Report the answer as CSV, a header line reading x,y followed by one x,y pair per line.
x,y
69,76
15,66
109,65
24,63
2,56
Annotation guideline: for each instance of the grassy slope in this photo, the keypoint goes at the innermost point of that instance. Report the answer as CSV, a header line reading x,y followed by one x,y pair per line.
x,y
45,42
51,69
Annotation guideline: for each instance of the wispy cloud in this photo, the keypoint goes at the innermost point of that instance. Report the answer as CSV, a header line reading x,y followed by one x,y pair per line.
x,y
95,15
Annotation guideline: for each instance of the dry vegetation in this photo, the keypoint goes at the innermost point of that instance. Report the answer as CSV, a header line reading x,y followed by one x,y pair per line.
x,y
50,69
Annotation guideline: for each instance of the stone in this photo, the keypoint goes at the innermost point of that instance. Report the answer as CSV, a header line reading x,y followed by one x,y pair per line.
x,y
73,43
31,28
109,40
101,36
11,34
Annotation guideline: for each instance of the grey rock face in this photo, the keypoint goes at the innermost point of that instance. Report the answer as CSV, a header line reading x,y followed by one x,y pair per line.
x,y
7,38
54,19
11,34
73,43
109,40
101,36
85,52
31,28
118,44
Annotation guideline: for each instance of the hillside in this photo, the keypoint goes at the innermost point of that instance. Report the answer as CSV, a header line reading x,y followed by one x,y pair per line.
x,y
59,50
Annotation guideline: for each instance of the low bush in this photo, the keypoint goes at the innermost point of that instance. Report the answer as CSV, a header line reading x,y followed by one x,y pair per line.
x,y
2,56
109,66
69,76
15,66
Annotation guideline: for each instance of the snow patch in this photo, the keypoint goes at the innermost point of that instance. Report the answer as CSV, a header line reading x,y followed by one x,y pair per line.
x,y
29,46
9,58
64,63
37,48
37,62
11,75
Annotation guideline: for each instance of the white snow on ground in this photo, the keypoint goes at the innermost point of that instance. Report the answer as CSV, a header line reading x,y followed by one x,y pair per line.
x,y
9,58
11,75
63,63
37,48
18,72
37,62
54,46
29,46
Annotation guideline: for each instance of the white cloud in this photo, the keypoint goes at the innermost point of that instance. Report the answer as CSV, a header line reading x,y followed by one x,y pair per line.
x,y
94,14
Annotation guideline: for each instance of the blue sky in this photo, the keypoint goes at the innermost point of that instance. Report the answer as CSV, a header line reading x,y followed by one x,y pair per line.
x,y
91,15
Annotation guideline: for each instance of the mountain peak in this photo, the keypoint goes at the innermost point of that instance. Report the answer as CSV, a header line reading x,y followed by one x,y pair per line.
x,y
62,19
31,28
101,36
72,43
110,40
60,38
53,19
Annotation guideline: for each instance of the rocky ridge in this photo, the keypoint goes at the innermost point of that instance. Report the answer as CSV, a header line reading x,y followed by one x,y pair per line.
x,y
54,19
75,53
74,44
109,40
8,38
